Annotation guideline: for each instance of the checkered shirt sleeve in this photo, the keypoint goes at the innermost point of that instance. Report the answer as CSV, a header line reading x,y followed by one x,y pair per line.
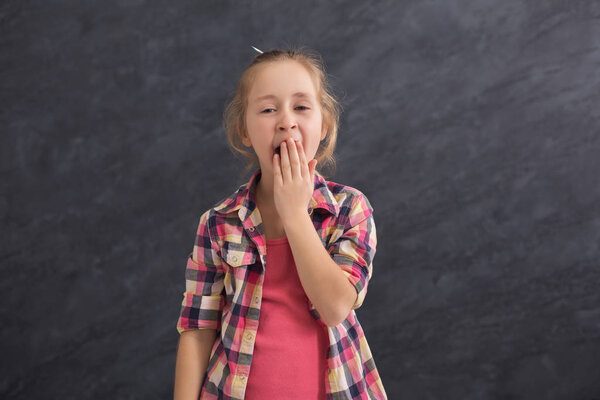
x,y
203,297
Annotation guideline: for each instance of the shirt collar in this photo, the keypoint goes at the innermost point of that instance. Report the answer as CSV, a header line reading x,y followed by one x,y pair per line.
x,y
244,200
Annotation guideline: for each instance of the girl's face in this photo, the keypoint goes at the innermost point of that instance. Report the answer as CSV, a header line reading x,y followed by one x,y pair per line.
x,y
282,103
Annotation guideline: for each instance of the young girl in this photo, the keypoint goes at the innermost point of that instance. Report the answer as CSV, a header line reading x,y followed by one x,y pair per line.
x,y
279,267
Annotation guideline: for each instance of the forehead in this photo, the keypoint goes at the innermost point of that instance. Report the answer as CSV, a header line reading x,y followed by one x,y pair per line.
x,y
281,78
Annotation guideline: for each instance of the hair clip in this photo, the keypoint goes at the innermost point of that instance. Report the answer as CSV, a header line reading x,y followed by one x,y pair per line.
x,y
257,49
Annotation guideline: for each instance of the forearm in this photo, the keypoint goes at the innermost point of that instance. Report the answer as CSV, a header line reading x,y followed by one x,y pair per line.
x,y
192,360
323,281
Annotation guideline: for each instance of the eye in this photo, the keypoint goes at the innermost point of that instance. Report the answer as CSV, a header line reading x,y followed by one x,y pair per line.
x,y
266,110
303,107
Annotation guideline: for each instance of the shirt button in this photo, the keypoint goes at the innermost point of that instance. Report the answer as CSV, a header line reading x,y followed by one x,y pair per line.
x,y
234,258
249,336
243,378
251,229
256,300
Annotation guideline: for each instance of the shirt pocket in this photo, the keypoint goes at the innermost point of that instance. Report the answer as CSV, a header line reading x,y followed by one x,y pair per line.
x,y
238,255
239,262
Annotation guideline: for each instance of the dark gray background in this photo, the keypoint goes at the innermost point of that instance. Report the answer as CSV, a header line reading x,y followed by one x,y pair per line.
x,y
471,126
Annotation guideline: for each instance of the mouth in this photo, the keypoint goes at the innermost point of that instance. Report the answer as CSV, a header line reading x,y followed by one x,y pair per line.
x,y
278,150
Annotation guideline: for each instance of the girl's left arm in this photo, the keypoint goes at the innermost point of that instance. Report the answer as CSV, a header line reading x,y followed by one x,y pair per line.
x,y
324,282
334,290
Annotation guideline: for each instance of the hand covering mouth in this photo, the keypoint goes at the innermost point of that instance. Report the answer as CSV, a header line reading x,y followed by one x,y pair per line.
x,y
278,149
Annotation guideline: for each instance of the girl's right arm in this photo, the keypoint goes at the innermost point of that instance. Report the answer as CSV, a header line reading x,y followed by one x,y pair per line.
x,y
192,360
200,313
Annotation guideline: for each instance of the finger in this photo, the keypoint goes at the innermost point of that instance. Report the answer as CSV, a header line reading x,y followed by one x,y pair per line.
x,y
286,172
277,178
303,163
294,159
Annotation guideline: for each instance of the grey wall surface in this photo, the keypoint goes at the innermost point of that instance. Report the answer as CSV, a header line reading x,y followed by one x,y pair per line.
x,y
472,126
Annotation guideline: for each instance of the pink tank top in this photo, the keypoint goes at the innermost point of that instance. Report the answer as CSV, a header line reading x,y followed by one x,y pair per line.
x,y
290,353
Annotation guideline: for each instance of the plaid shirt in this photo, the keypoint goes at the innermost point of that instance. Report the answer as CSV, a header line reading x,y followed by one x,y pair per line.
x,y
224,277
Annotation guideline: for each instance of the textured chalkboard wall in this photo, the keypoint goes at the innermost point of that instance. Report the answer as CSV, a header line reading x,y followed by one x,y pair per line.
x,y
472,127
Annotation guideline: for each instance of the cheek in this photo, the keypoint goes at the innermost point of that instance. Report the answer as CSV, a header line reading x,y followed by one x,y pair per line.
x,y
312,149
263,125
251,123
257,128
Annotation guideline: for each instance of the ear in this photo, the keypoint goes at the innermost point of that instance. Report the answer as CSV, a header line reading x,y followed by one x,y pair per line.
x,y
323,131
312,165
245,140
244,137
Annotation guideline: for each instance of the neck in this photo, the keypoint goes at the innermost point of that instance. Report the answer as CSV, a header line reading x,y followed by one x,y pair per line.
x,y
264,190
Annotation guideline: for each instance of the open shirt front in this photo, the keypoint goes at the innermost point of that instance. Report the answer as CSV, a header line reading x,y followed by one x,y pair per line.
x,y
224,276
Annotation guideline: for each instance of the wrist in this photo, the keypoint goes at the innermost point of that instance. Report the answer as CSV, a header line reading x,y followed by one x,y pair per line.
x,y
297,220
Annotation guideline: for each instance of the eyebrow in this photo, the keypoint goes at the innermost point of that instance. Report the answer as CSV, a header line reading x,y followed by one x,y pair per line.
x,y
270,96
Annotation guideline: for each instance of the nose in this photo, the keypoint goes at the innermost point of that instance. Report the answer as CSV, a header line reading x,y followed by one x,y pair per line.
x,y
286,122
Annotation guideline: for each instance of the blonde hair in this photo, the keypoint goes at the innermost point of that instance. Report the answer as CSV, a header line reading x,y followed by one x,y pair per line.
x,y
234,116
